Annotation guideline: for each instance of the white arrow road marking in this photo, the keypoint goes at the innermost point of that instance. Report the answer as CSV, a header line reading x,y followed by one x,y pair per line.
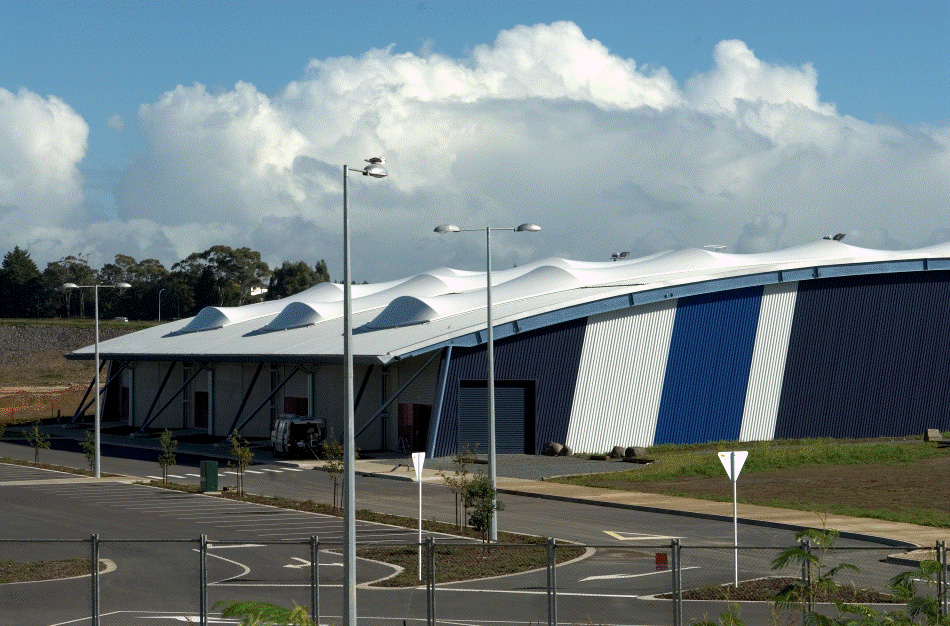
x,y
622,536
306,563
609,576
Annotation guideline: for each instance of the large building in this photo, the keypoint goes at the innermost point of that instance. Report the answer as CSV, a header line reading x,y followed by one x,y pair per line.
x,y
821,340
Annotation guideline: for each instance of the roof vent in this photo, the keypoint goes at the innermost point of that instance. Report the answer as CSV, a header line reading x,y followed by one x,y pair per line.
x,y
295,315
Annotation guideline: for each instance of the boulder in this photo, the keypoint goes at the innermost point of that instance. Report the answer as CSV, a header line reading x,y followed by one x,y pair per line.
x,y
552,448
617,453
634,452
565,451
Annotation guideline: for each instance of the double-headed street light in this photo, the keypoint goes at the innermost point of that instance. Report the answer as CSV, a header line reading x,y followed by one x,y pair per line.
x,y
376,170
490,357
98,423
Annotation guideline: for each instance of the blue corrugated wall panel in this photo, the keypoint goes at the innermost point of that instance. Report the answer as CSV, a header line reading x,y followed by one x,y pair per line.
x,y
867,357
708,368
549,356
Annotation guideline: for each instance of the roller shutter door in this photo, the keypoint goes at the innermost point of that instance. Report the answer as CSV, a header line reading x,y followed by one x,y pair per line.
x,y
509,419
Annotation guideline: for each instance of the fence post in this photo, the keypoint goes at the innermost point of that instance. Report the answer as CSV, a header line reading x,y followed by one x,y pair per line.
x,y
943,588
314,579
203,579
807,606
677,579
552,581
94,547
430,581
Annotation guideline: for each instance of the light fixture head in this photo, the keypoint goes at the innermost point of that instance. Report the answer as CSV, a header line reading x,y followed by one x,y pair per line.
x,y
70,286
122,285
528,228
375,168
447,228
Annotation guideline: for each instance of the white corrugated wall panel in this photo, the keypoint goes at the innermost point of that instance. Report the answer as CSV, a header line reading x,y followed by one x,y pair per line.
x,y
620,378
767,370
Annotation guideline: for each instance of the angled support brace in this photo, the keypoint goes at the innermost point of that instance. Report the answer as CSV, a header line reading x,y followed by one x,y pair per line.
x,y
440,397
82,403
395,395
359,394
266,400
247,396
170,400
82,407
158,394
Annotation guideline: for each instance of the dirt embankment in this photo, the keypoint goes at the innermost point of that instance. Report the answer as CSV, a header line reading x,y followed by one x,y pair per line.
x,y
19,344
34,354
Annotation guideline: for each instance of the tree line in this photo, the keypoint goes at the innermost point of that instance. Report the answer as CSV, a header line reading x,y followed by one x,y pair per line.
x,y
219,276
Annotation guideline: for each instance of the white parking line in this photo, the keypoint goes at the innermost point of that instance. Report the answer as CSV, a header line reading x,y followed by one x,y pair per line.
x,y
255,518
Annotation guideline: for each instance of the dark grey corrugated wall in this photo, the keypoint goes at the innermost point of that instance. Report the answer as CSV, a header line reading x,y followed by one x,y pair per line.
x,y
548,356
868,356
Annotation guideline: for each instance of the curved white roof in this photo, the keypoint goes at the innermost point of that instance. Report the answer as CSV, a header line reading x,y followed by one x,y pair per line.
x,y
446,306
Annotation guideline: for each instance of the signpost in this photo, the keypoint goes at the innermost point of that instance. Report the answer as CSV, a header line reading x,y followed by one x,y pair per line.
x,y
732,462
418,458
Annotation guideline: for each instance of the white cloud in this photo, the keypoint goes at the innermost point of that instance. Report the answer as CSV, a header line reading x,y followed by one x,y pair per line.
x,y
116,123
543,125
42,141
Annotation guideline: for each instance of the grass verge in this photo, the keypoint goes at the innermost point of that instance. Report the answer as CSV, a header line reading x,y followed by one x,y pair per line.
x,y
33,571
882,479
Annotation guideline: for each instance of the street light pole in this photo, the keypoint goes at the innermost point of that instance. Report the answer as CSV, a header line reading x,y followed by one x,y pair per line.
x,y
376,170
97,463
490,354
160,304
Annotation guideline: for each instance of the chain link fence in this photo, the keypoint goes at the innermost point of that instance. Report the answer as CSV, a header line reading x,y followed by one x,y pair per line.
x,y
99,581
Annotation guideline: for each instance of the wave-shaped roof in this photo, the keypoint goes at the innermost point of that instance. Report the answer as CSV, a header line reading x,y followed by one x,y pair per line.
x,y
447,306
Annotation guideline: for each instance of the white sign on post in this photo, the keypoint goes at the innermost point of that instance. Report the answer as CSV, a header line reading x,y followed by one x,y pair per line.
x,y
418,458
732,462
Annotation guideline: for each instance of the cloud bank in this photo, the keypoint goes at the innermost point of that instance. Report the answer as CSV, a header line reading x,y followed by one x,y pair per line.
x,y
543,125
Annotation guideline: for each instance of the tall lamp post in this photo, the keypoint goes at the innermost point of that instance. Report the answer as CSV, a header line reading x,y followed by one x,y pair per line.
x,y
523,228
160,304
376,170
98,423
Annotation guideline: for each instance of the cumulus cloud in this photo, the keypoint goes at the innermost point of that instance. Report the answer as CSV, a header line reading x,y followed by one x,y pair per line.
x,y
42,141
544,124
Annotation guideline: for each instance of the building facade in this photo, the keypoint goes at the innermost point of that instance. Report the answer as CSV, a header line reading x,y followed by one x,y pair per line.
x,y
823,340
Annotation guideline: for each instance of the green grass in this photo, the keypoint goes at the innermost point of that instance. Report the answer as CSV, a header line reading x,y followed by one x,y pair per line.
x,y
888,479
697,460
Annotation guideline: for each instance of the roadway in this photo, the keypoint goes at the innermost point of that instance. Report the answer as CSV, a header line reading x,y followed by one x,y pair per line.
x,y
156,583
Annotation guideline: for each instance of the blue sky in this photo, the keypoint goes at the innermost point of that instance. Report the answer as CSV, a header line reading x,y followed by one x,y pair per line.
x,y
869,83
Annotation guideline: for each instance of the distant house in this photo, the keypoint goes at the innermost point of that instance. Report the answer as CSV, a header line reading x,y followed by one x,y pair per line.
x,y
691,345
